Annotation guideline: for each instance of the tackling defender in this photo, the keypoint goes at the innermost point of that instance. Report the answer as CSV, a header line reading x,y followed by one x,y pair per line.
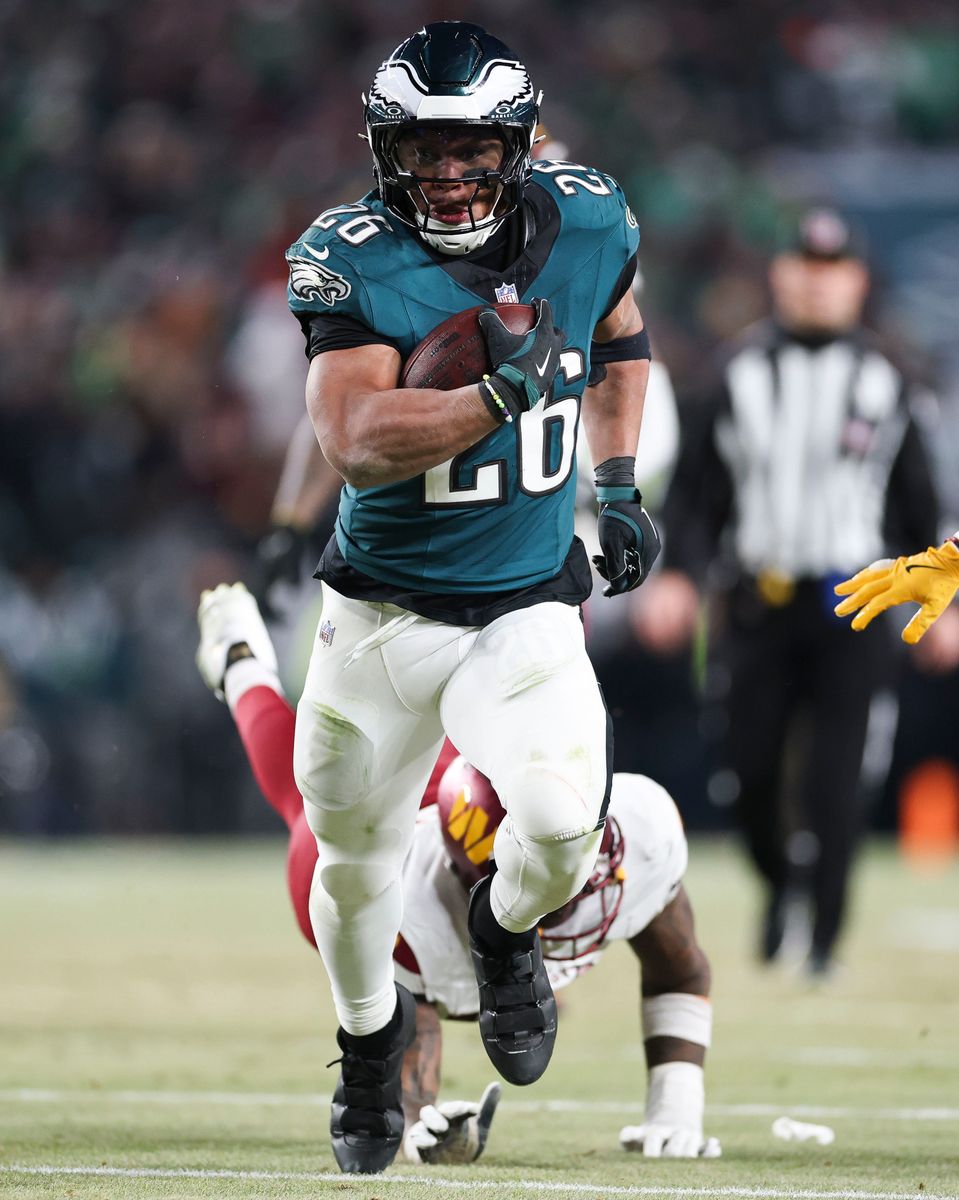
x,y
452,586
634,893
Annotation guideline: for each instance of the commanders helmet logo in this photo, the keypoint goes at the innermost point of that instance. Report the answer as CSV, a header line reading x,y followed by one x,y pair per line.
x,y
467,825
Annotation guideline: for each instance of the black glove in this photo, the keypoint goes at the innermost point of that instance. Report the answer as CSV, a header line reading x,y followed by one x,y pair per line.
x,y
279,558
524,364
627,535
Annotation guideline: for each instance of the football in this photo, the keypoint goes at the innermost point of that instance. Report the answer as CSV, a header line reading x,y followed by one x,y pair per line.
x,y
454,353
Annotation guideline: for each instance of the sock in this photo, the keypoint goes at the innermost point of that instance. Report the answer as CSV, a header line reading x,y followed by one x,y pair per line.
x,y
489,931
245,673
380,1043
266,723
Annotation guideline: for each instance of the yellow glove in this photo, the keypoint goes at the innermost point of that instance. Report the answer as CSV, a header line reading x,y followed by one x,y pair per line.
x,y
930,579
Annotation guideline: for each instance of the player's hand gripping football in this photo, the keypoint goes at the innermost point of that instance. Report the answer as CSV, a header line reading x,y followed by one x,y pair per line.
x,y
524,364
656,1140
627,537
929,579
452,1132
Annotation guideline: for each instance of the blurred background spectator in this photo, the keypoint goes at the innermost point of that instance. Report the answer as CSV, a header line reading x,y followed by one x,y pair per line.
x,y
155,161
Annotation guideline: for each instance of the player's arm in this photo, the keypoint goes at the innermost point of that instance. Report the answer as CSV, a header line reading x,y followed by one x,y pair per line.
x,y
421,1062
612,418
372,432
929,579
613,408
307,485
307,481
677,1029
454,1131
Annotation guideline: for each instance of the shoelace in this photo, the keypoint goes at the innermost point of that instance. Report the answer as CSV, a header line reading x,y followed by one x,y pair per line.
x,y
369,1117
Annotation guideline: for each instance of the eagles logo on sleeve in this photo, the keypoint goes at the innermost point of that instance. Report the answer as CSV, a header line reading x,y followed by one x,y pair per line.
x,y
310,281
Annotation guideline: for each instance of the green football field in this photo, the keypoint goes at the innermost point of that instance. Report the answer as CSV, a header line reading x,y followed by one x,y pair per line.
x,y
164,1030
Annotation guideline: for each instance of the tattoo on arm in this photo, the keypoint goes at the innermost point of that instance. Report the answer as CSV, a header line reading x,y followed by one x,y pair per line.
x,y
421,1063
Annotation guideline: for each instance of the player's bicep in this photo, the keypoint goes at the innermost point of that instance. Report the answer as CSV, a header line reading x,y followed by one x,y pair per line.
x,y
624,321
338,379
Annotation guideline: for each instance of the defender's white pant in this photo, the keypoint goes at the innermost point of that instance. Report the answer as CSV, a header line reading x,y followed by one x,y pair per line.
x,y
520,701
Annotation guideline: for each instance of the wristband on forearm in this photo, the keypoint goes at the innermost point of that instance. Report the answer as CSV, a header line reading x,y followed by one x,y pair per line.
x,y
616,479
677,1015
496,404
508,393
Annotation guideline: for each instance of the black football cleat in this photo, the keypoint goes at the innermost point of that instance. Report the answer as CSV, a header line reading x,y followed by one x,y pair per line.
x,y
517,1016
366,1121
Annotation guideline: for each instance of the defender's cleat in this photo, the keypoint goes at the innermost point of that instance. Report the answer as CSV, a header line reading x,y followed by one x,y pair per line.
x,y
228,616
366,1121
517,1010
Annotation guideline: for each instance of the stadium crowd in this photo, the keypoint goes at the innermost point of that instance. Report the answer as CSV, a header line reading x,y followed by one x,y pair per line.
x,y
156,160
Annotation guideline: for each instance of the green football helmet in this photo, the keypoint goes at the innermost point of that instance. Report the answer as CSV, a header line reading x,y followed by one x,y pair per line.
x,y
455,77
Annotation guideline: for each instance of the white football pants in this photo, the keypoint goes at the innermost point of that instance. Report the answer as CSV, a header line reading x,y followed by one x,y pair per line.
x,y
520,701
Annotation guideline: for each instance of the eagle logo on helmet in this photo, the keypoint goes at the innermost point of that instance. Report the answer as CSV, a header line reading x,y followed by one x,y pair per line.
x,y
451,74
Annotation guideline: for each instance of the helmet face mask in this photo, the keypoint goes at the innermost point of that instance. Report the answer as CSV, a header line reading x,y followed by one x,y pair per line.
x,y
453,78
423,155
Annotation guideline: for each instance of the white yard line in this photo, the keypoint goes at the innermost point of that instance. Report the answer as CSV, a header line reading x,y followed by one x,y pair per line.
x,y
322,1100
477,1185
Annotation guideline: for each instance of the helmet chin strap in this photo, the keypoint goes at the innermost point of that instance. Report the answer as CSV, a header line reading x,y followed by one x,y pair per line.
x,y
461,243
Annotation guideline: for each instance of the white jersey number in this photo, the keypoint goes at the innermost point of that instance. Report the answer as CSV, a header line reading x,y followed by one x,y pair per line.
x,y
540,430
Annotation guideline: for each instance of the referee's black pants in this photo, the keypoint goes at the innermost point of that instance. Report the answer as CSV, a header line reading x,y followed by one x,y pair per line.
x,y
785,663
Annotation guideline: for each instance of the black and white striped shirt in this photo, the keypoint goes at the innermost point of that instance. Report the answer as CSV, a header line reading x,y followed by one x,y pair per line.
x,y
804,459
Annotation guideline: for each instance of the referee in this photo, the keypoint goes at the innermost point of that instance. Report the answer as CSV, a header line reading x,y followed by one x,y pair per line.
x,y
801,461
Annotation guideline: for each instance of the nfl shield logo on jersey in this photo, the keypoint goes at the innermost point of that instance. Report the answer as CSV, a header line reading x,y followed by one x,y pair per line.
x,y
506,294
326,633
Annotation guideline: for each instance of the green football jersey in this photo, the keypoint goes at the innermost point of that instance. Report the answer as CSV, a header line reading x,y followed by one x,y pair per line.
x,y
499,516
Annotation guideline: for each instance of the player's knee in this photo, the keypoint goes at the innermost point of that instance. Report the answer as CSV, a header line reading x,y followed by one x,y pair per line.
x,y
351,885
536,877
568,866
332,758
554,801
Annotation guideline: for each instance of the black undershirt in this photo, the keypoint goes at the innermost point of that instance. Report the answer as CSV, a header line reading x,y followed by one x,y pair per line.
x,y
572,585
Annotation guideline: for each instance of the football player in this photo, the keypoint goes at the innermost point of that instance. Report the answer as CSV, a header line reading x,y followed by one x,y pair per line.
x,y
453,584
634,892
929,579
